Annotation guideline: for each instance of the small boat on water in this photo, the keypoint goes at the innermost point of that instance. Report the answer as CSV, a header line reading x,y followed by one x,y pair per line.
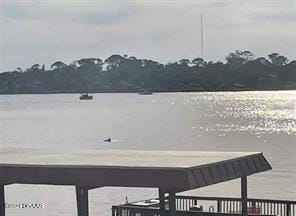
x,y
146,92
86,97
107,140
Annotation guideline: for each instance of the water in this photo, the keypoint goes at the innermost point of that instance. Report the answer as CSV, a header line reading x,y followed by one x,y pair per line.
x,y
233,121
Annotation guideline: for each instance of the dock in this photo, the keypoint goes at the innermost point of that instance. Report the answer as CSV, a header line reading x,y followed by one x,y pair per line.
x,y
169,171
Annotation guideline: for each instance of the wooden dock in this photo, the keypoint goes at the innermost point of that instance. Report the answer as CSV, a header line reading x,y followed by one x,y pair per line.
x,y
169,171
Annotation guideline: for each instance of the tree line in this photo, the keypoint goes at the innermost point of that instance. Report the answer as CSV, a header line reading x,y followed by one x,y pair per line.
x,y
240,71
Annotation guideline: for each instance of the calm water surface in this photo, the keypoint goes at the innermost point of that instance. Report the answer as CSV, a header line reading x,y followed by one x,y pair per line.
x,y
240,121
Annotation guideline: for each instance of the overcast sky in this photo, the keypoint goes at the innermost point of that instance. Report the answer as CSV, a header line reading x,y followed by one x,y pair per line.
x,y
44,31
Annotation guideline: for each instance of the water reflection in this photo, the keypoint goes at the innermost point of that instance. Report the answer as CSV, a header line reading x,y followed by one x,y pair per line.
x,y
232,121
255,112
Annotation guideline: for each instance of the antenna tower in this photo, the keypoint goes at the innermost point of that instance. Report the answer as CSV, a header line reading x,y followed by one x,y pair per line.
x,y
201,37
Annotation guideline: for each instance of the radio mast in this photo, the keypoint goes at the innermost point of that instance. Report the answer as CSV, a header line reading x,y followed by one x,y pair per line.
x,y
201,37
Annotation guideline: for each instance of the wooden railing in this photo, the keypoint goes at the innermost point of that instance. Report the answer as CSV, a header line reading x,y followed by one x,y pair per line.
x,y
228,205
140,211
213,206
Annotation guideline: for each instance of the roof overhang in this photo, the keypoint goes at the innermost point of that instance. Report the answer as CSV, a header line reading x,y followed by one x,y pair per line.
x,y
170,170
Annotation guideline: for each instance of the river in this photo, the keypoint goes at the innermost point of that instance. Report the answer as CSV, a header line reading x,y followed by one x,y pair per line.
x,y
230,121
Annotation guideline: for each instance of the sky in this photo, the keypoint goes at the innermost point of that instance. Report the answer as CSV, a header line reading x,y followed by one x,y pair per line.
x,y
45,31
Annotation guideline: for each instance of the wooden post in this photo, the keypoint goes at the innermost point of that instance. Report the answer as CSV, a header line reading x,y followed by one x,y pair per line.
x,y
219,206
82,201
113,210
172,204
161,201
244,195
195,202
2,201
288,209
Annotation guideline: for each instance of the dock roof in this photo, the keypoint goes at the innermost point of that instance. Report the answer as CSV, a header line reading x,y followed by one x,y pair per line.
x,y
172,170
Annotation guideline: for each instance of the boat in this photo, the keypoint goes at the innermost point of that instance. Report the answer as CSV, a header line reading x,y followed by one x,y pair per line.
x,y
86,97
146,92
107,140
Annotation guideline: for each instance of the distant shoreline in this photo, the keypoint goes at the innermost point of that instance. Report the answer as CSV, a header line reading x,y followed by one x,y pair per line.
x,y
134,91
242,71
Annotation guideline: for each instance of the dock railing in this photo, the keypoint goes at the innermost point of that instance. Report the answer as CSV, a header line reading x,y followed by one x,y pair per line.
x,y
212,206
140,211
228,205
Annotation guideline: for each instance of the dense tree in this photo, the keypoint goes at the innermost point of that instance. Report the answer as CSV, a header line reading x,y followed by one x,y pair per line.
x,y
58,65
35,67
242,71
184,61
277,59
238,58
114,61
262,60
199,62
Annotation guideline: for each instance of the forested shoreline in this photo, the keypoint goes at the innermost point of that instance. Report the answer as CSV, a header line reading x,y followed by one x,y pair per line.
x,y
241,71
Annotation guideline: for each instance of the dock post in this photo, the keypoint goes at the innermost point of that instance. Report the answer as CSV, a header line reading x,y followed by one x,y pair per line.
x,y
244,195
82,201
161,201
219,206
2,200
172,203
288,209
